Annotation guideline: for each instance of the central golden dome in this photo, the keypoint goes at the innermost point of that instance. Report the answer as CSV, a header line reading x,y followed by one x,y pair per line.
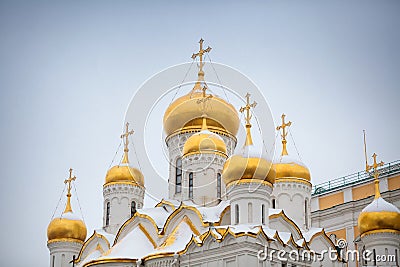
x,y
185,112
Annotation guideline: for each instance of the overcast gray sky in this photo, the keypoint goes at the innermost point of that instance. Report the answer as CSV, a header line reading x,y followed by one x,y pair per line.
x,y
69,69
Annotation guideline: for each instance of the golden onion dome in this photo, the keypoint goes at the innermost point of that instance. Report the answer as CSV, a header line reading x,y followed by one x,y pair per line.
x,y
68,227
185,112
204,142
380,216
250,164
287,167
124,173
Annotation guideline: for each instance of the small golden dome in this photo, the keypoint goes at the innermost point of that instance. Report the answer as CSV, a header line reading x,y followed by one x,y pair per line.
x,y
204,142
124,173
248,166
68,227
185,112
380,215
287,167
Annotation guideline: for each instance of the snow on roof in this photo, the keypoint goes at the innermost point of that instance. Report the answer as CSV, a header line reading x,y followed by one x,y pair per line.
x,y
286,159
133,246
158,214
310,233
274,211
252,151
91,256
212,214
245,228
269,232
379,204
110,237
177,240
70,216
284,236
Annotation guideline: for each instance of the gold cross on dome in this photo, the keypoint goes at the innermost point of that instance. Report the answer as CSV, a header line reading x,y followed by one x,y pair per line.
x,y
247,109
374,165
200,54
283,127
69,181
125,137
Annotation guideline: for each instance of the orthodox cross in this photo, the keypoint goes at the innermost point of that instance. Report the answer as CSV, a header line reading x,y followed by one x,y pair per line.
x,y
200,55
124,137
284,133
283,127
247,109
374,166
249,140
69,181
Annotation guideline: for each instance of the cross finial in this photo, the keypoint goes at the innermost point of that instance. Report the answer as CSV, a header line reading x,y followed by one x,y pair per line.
x,y
247,109
284,133
69,181
125,137
374,166
248,117
200,55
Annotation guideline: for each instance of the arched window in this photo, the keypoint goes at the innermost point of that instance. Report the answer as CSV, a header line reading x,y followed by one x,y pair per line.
x,y
236,214
274,203
108,214
191,185
133,208
306,213
263,214
250,212
219,186
178,176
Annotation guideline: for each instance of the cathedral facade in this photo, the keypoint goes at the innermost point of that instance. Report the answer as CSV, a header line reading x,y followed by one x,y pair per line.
x,y
226,206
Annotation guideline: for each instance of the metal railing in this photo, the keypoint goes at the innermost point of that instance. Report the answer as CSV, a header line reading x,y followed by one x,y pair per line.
x,y
389,169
